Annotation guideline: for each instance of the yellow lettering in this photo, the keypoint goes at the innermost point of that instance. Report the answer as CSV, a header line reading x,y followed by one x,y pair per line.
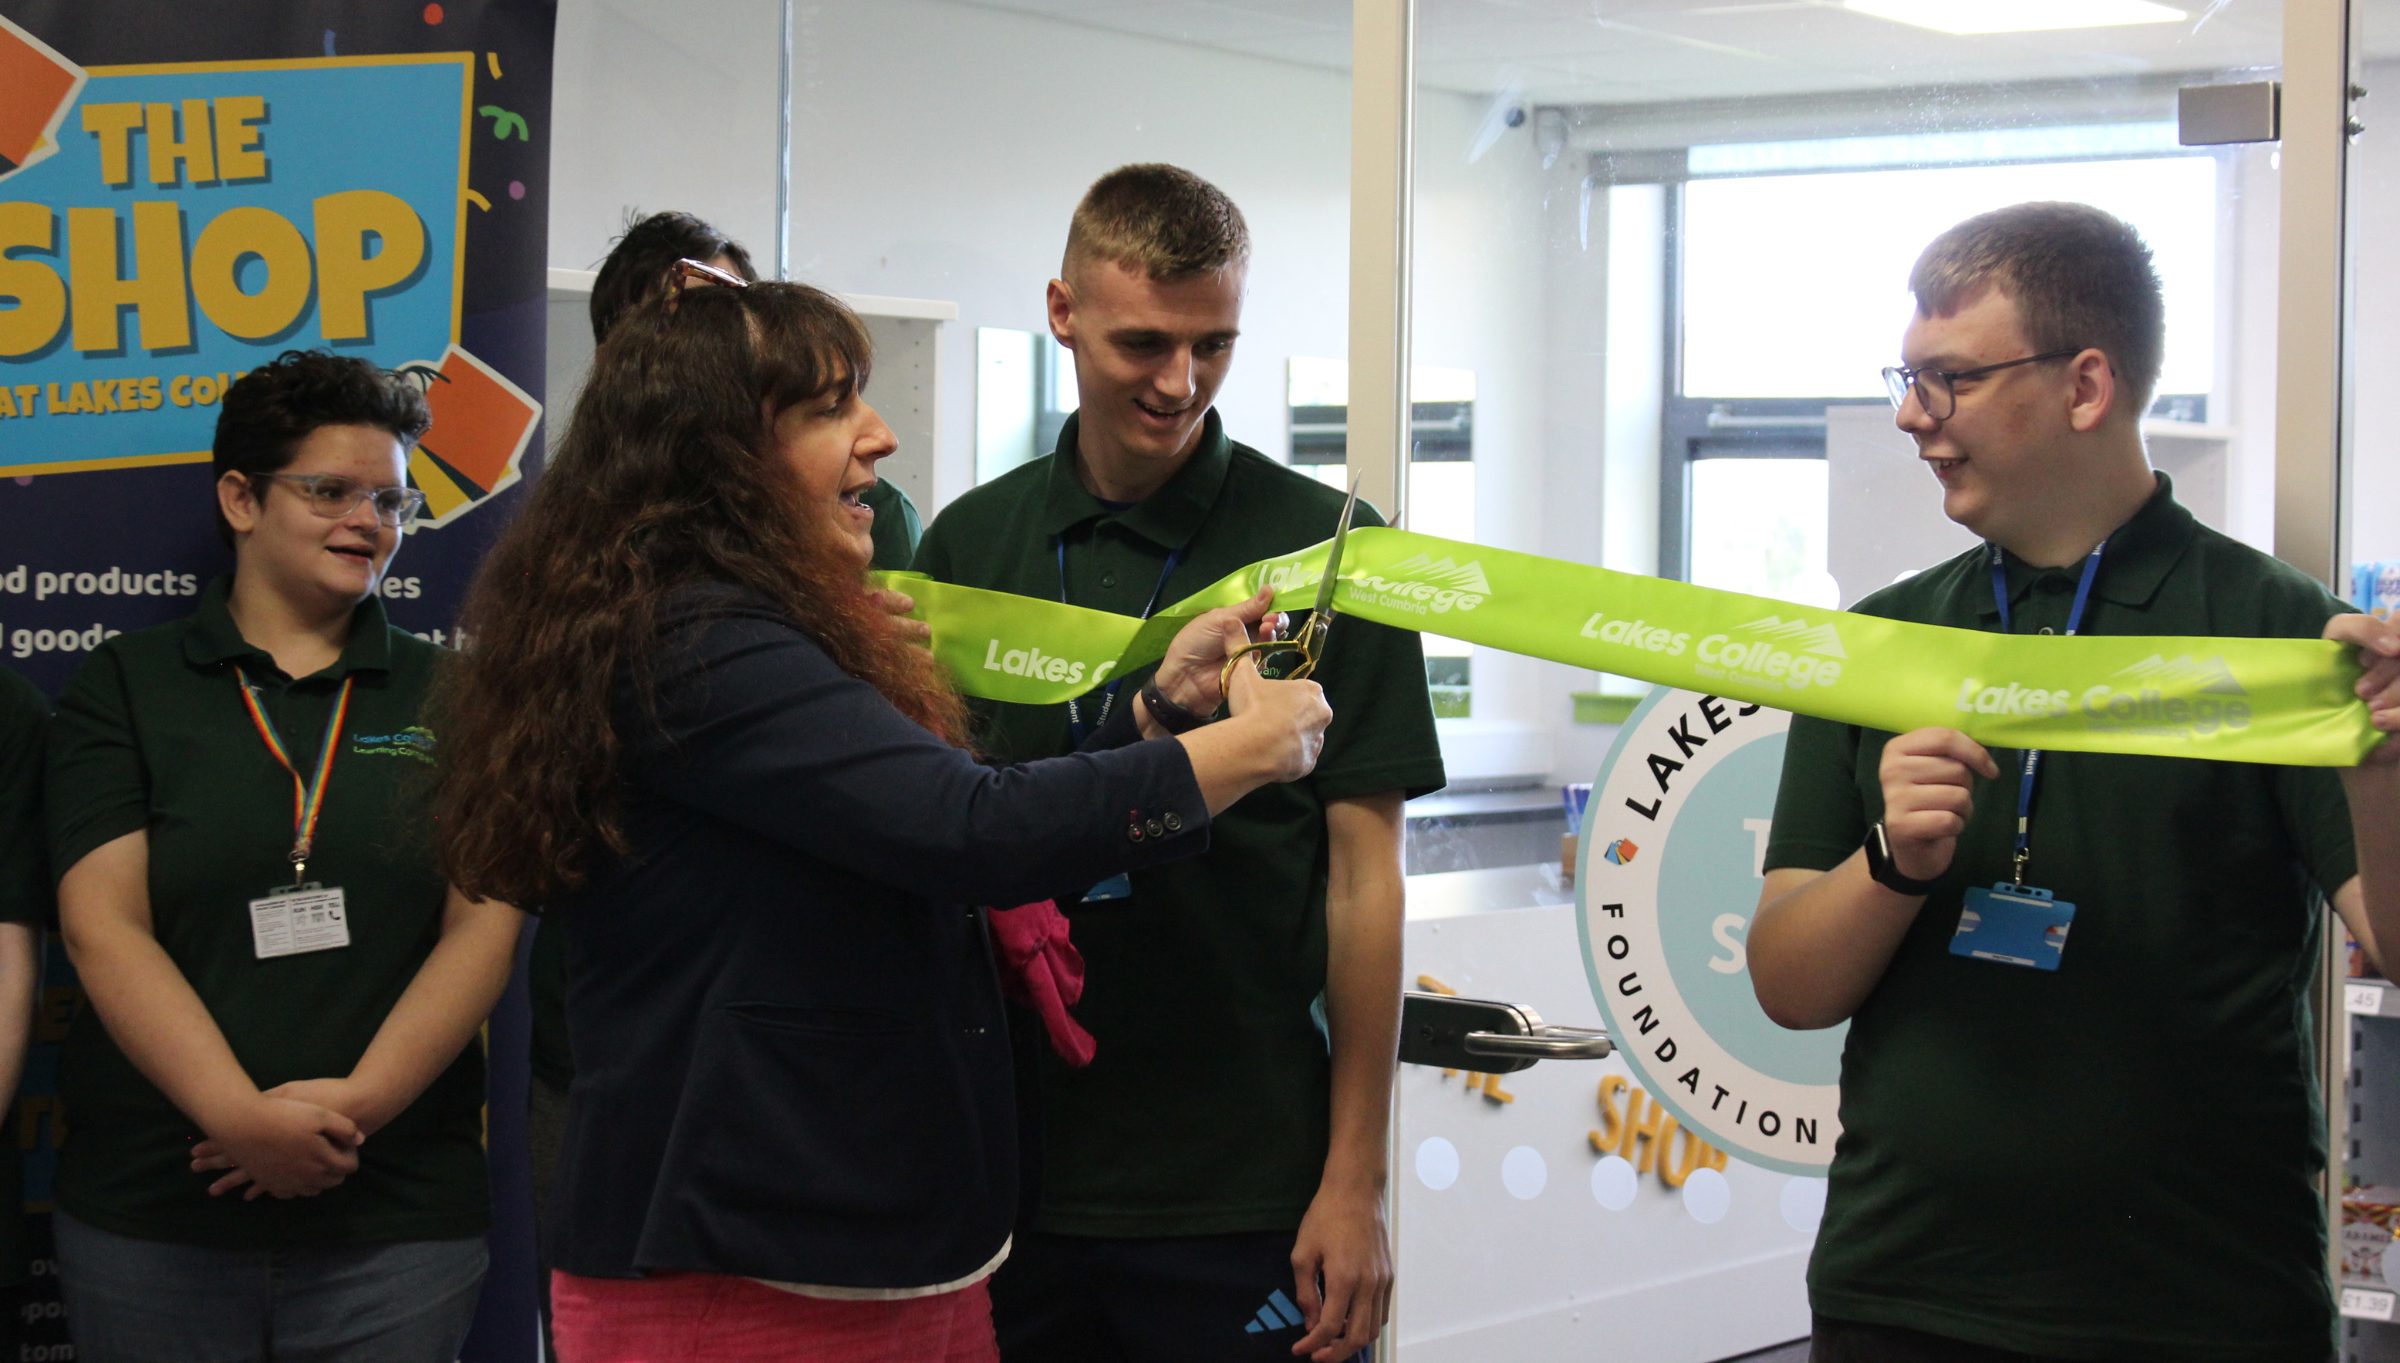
x,y
41,295
53,1011
347,270
173,149
1643,1137
1693,1154
1612,1114
239,156
114,125
155,289
41,1122
237,234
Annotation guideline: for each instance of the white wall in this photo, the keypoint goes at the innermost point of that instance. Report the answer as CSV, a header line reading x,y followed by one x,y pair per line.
x,y
2375,467
1482,268
658,105
955,180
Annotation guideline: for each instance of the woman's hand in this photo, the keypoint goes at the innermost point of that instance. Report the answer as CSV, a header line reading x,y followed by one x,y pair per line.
x,y
1287,718
898,605
280,1147
1195,659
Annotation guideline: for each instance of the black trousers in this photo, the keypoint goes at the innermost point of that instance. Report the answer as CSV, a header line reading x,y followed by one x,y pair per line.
x,y
1194,1299
1847,1341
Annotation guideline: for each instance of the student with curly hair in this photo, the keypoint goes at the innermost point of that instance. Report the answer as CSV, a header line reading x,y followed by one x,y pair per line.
x,y
277,1148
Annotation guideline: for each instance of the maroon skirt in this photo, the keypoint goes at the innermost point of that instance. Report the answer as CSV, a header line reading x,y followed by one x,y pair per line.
x,y
717,1318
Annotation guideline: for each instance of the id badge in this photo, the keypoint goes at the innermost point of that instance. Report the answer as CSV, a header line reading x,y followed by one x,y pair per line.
x,y
1119,886
297,919
2014,925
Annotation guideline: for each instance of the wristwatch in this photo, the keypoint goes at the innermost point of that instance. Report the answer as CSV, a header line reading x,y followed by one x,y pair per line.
x,y
1170,716
1881,868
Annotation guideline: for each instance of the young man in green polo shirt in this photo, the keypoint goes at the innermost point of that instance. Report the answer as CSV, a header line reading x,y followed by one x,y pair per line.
x,y
2107,1150
1220,1165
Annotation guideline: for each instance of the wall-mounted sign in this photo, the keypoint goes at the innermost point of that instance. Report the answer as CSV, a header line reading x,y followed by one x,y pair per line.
x,y
1673,840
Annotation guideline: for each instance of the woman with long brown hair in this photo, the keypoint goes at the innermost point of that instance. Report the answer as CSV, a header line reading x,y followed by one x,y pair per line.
x,y
686,727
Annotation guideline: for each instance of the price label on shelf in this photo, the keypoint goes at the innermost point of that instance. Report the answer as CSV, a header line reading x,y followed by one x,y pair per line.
x,y
2368,1303
2364,1000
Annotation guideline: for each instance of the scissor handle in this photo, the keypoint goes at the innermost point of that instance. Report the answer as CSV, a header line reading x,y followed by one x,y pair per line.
x,y
1269,648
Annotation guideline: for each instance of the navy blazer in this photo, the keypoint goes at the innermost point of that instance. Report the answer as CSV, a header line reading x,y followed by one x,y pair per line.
x,y
791,1061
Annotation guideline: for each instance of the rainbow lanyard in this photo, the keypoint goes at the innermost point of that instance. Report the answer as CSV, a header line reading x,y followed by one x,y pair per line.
x,y
308,796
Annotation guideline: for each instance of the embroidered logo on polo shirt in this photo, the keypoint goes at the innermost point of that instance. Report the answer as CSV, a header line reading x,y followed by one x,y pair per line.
x,y
414,741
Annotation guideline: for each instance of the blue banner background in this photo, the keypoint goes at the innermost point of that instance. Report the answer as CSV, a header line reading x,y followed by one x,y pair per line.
x,y
314,144
87,553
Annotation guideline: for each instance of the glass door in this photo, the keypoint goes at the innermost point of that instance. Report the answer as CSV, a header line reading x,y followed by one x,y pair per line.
x,y
1671,245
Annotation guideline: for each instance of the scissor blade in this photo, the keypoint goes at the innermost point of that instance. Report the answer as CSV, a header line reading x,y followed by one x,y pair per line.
x,y
1333,556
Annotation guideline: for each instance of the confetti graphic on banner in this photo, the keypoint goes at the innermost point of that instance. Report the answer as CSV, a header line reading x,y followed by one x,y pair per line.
x,y
504,122
481,426
36,88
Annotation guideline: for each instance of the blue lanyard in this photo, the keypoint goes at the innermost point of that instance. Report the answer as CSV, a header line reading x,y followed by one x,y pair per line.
x,y
2033,756
1108,693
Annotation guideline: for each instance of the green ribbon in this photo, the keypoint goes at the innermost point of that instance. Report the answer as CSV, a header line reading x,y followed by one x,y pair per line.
x,y
2284,701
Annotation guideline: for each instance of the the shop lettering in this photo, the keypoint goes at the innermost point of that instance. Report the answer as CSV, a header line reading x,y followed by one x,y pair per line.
x,y
1638,1129
359,243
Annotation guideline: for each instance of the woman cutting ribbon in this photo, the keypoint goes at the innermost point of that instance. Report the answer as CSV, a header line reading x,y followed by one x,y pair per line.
x,y
690,730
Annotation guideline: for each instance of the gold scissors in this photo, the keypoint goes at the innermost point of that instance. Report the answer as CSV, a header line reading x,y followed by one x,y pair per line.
x,y
1308,646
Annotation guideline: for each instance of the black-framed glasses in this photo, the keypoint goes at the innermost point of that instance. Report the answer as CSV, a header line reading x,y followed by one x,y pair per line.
x,y
334,495
1934,389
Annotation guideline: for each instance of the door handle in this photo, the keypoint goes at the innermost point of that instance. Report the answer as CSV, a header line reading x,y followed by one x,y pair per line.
x,y
1487,1036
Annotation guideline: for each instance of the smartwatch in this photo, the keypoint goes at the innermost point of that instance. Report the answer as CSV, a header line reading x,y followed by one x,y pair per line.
x,y
1881,868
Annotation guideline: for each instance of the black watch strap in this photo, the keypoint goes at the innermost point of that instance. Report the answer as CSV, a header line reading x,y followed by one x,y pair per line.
x,y
1881,868
1170,716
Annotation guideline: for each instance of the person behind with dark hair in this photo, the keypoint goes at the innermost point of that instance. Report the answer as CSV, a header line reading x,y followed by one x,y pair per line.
x,y
690,730
1193,1172
24,908
2017,1176
277,1147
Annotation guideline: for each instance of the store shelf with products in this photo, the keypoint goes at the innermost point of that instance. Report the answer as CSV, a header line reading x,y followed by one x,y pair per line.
x,y
2368,1301
2367,997
2366,1169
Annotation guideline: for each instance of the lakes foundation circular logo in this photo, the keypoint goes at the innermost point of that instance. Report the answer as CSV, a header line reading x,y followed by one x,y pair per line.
x,y
1670,851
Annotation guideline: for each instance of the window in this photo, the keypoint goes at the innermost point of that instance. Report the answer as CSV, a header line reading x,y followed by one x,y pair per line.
x,y
1788,275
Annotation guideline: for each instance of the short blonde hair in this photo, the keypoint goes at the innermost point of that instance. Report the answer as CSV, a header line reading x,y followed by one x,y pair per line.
x,y
1160,220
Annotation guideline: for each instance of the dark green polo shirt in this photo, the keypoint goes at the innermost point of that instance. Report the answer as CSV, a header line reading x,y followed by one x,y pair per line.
x,y
897,530
1206,1110
2114,1160
152,735
897,525
24,898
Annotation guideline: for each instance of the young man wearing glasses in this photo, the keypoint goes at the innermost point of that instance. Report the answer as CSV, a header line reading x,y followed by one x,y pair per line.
x,y
1220,1165
2021,1172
